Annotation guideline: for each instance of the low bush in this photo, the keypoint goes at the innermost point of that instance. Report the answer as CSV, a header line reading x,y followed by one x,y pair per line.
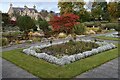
x,y
103,26
11,36
99,30
10,28
97,24
91,24
117,27
110,26
79,29
4,41
6,34
36,39
94,29
104,21
62,35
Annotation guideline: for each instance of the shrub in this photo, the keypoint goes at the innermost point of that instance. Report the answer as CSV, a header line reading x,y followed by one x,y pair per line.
x,y
99,30
4,41
111,25
62,35
25,23
104,21
97,24
79,29
36,39
91,24
44,26
95,29
117,27
12,35
103,26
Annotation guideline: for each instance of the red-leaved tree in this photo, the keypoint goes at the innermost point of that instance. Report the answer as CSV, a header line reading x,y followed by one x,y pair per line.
x,y
64,23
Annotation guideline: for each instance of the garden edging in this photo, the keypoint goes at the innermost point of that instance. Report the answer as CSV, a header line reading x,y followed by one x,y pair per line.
x,y
68,59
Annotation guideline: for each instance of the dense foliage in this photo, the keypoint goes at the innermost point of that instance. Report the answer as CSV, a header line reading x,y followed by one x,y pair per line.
x,y
64,23
79,29
43,25
76,8
110,26
5,19
4,41
25,23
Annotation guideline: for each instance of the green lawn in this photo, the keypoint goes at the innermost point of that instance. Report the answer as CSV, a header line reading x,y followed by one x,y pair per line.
x,y
43,69
107,38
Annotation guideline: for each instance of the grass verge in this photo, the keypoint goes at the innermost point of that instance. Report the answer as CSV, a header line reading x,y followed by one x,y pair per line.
x,y
107,38
43,69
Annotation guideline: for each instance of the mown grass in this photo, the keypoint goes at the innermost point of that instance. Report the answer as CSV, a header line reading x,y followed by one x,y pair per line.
x,y
107,38
43,69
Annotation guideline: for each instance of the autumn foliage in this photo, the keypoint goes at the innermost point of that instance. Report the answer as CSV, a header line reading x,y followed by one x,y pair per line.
x,y
64,23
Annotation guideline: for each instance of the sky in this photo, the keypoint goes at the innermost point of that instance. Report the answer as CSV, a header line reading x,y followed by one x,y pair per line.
x,y
40,4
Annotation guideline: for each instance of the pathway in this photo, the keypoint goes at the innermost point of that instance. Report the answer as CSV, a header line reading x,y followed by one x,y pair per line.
x,y
12,71
107,70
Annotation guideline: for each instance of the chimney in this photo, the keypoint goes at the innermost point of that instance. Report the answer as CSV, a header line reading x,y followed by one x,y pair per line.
x,y
11,5
34,6
25,6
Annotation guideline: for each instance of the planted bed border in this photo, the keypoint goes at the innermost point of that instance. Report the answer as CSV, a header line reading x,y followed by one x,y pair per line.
x,y
68,59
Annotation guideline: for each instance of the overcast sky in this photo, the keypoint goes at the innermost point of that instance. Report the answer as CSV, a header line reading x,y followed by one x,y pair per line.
x,y
40,4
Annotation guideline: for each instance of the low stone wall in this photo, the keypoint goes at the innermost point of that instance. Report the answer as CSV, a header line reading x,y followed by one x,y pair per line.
x,y
68,59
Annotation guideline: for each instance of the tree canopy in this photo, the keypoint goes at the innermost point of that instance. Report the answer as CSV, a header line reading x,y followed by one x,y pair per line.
x,y
73,7
64,23
25,23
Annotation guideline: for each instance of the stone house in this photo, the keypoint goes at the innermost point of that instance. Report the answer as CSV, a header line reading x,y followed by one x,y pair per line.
x,y
13,12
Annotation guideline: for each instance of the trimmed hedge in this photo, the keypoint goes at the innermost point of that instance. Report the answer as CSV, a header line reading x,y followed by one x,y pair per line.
x,y
91,24
110,26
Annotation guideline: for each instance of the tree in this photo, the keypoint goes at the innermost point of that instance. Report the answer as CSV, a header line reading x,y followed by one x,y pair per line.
x,y
64,23
113,10
43,25
99,10
25,23
5,19
72,7
65,7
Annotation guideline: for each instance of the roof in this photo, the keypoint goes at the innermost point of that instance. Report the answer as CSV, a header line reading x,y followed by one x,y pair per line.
x,y
21,9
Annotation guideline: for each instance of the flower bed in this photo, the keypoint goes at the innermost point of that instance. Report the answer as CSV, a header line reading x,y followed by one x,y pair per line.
x,y
71,58
69,48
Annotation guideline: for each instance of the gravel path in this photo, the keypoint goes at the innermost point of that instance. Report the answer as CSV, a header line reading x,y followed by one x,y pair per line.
x,y
12,71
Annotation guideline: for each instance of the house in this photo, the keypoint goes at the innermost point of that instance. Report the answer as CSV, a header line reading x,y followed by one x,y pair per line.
x,y
13,12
